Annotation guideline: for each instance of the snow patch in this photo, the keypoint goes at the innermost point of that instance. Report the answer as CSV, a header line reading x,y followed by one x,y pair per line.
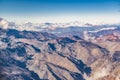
x,y
110,28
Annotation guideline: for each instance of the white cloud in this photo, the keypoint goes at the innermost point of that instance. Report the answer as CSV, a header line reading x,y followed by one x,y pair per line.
x,y
3,23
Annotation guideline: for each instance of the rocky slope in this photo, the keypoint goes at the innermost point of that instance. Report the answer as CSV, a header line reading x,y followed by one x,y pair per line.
x,y
29,55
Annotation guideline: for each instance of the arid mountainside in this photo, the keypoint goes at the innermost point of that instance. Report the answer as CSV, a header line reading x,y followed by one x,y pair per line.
x,y
29,55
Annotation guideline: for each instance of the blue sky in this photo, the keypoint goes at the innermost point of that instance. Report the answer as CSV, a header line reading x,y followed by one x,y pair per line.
x,y
52,10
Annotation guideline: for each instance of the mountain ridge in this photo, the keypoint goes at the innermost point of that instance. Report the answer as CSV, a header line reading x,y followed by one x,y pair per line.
x,y
37,55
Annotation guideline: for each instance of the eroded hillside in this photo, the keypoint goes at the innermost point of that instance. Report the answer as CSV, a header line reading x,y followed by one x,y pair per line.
x,y
29,55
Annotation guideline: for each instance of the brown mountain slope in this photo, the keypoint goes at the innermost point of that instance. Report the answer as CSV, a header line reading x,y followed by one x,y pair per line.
x,y
53,58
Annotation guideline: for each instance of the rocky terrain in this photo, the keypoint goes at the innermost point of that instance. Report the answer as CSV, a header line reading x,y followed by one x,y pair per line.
x,y
32,55
26,55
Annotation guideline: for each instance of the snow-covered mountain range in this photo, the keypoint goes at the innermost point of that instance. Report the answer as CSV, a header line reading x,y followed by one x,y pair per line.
x,y
64,29
51,26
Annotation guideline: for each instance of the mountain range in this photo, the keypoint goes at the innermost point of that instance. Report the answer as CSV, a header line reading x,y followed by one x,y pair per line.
x,y
46,55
